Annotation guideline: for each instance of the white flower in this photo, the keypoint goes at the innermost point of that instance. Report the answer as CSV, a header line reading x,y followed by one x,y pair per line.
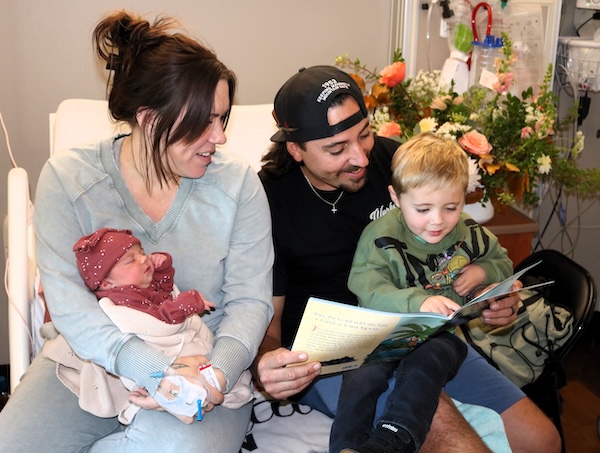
x,y
545,164
474,176
379,118
533,115
424,86
450,130
496,113
578,143
428,124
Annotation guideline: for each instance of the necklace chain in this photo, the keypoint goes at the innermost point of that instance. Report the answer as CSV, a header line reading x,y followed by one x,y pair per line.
x,y
332,204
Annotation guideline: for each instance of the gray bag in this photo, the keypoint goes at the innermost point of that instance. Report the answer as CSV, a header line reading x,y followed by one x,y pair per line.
x,y
522,349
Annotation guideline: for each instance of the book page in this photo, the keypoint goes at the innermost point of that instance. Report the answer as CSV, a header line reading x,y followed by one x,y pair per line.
x,y
341,336
474,308
503,288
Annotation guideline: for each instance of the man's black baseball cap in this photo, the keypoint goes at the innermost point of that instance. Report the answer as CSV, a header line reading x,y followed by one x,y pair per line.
x,y
300,107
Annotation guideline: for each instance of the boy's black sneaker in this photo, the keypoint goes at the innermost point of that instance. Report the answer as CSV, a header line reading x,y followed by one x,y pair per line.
x,y
387,438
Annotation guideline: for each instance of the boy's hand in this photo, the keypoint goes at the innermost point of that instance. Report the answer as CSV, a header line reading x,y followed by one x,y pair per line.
x,y
470,277
439,304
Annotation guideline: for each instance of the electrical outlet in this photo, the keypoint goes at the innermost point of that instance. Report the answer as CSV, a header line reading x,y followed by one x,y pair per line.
x,y
588,4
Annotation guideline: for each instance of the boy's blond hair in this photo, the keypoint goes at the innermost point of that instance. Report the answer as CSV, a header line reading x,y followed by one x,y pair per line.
x,y
429,160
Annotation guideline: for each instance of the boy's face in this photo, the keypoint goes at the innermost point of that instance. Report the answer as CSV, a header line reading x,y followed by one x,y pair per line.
x,y
134,268
430,214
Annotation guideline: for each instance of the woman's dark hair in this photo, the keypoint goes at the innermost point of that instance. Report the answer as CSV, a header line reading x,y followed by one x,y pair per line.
x,y
169,74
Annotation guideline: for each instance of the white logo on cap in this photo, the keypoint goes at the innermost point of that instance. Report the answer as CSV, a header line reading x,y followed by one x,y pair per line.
x,y
329,87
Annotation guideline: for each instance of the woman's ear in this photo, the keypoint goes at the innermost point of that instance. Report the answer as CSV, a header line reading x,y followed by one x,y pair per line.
x,y
145,120
294,150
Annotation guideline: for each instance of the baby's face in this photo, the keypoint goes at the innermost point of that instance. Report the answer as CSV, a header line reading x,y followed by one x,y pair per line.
x,y
134,268
432,214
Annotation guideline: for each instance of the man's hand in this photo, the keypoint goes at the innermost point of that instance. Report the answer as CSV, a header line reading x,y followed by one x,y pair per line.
x,y
281,381
503,311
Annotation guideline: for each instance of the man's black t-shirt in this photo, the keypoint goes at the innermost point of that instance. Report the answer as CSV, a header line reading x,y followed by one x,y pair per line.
x,y
314,247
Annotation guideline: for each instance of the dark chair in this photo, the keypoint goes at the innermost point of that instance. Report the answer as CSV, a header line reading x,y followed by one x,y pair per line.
x,y
574,288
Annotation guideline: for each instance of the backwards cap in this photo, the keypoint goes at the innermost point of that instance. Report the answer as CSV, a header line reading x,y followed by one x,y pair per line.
x,y
99,252
300,107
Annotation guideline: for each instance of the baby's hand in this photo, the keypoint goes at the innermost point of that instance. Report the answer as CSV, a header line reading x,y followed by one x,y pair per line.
x,y
439,304
207,304
141,397
158,259
194,302
470,277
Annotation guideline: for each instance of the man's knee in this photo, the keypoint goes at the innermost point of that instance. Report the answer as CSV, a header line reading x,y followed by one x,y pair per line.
x,y
529,430
450,432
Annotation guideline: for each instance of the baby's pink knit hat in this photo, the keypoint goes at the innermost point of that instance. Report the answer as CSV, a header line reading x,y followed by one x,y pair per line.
x,y
99,252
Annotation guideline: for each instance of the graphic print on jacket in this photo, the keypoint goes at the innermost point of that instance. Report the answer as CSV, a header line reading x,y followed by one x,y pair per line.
x,y
437,271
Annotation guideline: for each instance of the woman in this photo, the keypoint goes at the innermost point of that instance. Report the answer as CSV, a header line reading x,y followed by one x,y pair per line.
x,y
167,183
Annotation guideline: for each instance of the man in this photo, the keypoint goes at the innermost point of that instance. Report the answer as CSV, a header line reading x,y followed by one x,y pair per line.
x,y
326,178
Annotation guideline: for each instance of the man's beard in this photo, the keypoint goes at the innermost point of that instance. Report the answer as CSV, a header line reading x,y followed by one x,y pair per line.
x,y
354,187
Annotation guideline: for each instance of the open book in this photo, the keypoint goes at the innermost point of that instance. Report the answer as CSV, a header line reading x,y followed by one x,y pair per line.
x,y
343,337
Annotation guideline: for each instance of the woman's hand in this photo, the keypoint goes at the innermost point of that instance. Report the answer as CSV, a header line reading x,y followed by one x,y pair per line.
x,y
189,367
179,396
503,311
282,381
171,387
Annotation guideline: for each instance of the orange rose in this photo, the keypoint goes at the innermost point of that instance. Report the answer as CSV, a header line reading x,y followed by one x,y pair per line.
x,y
393,74
475,143
389,130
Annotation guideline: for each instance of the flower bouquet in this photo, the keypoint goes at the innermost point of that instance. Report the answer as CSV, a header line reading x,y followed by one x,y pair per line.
x,y
511,140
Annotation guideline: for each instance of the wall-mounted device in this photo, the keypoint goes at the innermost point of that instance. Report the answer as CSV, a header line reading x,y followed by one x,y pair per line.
x,y
588,4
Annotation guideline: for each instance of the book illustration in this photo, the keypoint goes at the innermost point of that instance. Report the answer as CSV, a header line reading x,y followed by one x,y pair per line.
x,y
343,337
402,340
